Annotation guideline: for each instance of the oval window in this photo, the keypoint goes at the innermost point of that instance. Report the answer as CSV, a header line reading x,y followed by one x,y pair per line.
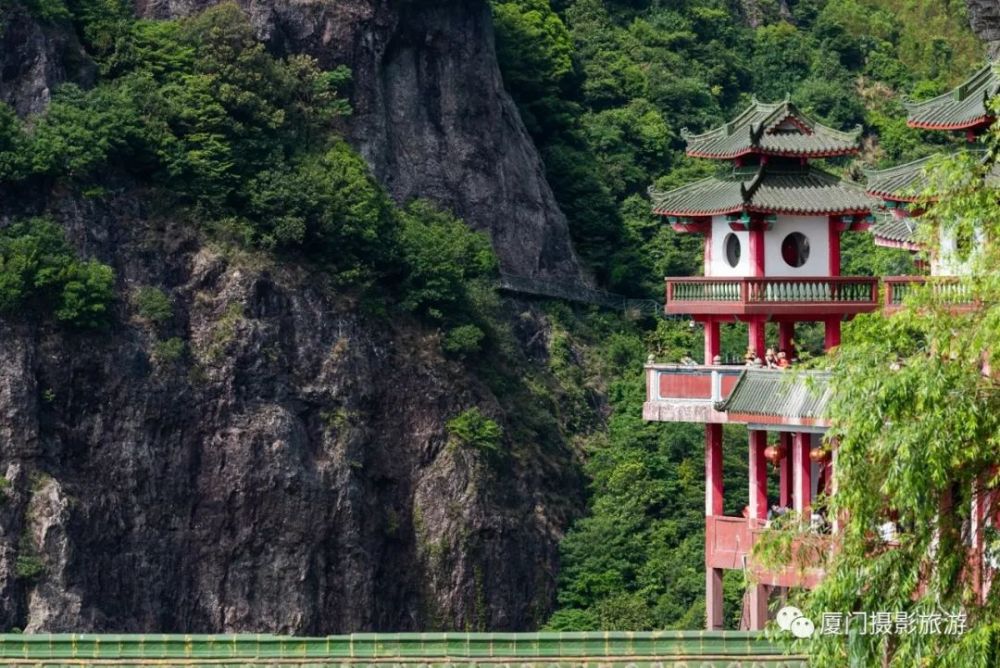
x,y
733,249
795,249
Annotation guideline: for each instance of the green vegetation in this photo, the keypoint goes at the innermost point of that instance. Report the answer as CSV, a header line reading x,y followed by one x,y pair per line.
x,y
609,121
152,304
609,125
925,371
39,271
28,566
169,350
472,429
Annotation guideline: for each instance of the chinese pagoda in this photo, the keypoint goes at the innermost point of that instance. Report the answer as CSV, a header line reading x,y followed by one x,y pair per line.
x,y
772,224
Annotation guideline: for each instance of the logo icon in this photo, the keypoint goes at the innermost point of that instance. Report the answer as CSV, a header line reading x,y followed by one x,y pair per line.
x,y
791,619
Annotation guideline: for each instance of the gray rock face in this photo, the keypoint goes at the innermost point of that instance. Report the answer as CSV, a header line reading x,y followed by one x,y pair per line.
x,y
430,113
35,57
291,472
984,16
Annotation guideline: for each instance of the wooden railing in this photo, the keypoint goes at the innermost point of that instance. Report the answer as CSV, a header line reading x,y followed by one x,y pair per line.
x,y
945,289
729,543
822,295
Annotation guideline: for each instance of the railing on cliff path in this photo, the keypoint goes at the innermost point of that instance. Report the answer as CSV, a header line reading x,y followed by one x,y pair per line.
x,y
656,649
544,287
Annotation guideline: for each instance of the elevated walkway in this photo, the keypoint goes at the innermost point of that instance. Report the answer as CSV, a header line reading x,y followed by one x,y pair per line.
x,y
658,649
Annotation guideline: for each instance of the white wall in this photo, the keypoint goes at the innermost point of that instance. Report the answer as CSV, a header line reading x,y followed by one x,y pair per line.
x,y
816,229
718,265
947,262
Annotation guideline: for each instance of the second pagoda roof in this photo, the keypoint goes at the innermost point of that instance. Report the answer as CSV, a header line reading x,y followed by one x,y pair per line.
x,y
765,189
962,108
902,183
772,129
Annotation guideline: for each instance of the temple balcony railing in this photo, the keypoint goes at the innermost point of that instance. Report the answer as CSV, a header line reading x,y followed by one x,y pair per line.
x,y
681,393
948,290
772,296
729,543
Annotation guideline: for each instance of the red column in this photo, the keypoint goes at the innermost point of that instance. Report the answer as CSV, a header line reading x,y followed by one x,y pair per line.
x,y
831,337
713,506
757,341
758,475
713,469
713,343
802,472
786,334
708,248
785,472
756,249
835,226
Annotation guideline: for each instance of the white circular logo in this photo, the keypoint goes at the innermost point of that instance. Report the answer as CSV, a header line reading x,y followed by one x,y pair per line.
x,y
803,627
786,616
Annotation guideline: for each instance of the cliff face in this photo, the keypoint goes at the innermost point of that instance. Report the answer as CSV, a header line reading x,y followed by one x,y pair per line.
x,y
430,112
984,16
291,472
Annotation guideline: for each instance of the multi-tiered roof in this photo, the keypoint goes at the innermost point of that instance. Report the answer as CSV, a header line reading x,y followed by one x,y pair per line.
x,y
777,129
770,145
964,108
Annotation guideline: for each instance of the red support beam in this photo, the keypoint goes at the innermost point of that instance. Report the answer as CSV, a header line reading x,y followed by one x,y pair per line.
x,y
757,341
831,338
802,473
786,336
757,249
713,469
835,227
713,599
713,341
785,472
758,475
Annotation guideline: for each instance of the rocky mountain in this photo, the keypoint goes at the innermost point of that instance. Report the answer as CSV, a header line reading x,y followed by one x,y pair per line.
x,y
984,15
292,471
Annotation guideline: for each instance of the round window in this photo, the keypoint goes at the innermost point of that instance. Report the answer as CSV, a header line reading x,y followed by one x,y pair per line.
x,y
733,249
795,249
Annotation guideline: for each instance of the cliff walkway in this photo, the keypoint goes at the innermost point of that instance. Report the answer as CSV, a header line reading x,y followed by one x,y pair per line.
x,y
542,287
660,649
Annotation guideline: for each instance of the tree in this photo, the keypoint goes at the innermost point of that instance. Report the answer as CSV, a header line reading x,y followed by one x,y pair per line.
x,y
916,414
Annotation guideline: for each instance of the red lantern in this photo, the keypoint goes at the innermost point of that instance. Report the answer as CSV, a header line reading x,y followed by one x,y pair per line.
x,y
773,454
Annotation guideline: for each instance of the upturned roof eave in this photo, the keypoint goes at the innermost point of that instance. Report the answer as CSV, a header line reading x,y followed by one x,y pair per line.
x,y
756,150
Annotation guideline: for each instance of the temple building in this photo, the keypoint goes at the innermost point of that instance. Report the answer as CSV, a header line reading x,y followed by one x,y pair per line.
x,y
772,224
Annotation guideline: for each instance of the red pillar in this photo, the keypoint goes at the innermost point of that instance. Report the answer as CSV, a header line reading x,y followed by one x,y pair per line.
x,y
756,249
713,506
785,472
713,469
713,342
831,338
786,335
758,475
713,599
802,472
757,341
835,226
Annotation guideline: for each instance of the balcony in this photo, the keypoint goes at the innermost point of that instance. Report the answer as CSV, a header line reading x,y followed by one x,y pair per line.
x,y
802,297
944,290
678,393
729,542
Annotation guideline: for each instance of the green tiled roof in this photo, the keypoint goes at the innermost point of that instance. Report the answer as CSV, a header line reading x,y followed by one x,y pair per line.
x,y
773,129
767,189
961,108
895,230
902,183
655,649
775,393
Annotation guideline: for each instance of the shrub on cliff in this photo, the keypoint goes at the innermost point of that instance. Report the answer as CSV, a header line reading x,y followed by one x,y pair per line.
x,y
38,270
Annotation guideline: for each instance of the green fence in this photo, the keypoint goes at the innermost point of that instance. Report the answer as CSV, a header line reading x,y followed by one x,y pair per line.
x,y
665,649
